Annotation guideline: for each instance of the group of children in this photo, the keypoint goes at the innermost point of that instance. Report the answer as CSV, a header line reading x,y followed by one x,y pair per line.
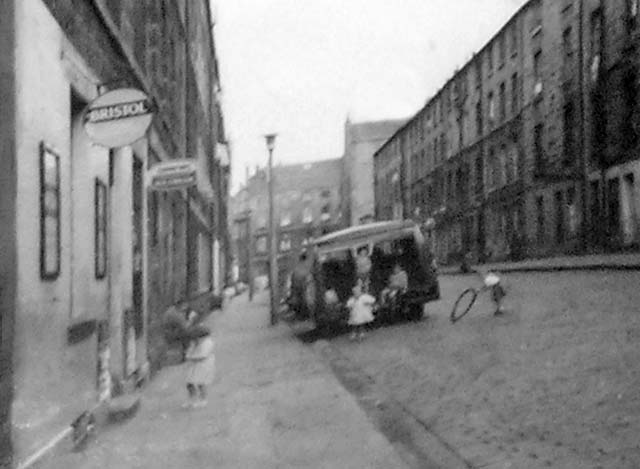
x,y
361,304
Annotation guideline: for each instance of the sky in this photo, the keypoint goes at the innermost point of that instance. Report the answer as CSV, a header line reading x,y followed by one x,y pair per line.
x,y
299,68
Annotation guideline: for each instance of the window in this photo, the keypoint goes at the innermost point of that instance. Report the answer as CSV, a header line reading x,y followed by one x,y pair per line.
x,y
325,213
537,63
307,216
538,148
479,169
628,129
613,207
514,39
514,163
490,58
49,213
596,43
567,46
443,146
492,175
479,119
595,205
492,111
515,93
285,218
478,73
501,50
446,106
571,208
504,166
559,196
100,229
632,14
540,218
261,244
568,137
285,243
502,96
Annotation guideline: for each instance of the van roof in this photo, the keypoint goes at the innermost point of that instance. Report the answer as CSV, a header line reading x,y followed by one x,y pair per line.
x,y
364,234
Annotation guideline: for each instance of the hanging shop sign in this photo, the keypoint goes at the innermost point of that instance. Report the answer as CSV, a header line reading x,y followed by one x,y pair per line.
x,y
118,118
173,175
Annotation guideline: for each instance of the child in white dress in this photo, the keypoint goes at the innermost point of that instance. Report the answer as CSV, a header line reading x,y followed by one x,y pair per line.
x,y
360,310
201,366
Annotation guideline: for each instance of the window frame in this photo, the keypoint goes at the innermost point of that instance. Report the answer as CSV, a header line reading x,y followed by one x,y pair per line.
x,y
47,188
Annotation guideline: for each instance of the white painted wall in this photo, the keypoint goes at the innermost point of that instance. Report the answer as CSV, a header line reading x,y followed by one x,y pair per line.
x,y
54,381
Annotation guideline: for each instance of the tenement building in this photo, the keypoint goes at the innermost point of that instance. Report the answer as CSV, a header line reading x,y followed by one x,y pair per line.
x,y
531,148
90,253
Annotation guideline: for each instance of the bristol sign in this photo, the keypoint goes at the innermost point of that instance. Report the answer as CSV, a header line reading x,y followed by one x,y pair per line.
x,y
119,117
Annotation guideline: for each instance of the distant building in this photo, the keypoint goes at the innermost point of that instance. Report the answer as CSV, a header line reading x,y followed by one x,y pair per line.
x,y
307,204
361,141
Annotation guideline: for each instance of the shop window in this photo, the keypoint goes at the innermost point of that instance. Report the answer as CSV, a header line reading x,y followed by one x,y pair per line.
x,y
100,227
49,213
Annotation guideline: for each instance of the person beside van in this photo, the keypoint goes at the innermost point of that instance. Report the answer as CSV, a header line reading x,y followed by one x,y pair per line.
x,y
360,307
363,268
299,280
398,283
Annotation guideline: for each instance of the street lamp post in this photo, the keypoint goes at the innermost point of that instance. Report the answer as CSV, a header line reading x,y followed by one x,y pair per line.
x,y
273,268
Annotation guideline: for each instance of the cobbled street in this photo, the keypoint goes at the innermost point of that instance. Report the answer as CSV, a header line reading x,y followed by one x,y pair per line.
x,y
552,383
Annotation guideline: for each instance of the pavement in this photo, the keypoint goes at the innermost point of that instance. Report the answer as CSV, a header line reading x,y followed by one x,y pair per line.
x,y
625,261
554,382
274,404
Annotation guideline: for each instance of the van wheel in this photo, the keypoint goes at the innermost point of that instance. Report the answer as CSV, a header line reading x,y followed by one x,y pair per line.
x,y
415,312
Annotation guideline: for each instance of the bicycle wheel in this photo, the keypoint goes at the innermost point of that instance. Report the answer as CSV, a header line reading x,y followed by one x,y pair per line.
x,y
463,304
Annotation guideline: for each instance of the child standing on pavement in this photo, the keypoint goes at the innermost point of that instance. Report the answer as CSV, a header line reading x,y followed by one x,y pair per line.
x,y
361,311
201,366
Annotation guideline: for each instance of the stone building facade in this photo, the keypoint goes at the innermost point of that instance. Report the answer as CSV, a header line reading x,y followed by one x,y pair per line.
x,y
90,257
530,149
